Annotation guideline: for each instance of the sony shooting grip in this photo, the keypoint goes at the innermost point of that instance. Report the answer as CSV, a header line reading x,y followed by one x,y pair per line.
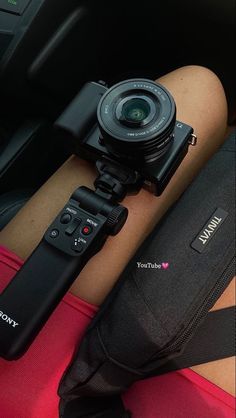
x,y
136,143
73,238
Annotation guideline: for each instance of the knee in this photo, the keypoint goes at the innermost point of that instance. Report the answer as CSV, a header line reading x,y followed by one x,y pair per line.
x,y
200,99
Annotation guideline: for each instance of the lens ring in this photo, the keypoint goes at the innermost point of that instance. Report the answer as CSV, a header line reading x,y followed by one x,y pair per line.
x,y
146,138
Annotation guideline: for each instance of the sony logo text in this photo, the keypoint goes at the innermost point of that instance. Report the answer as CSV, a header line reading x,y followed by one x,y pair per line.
x,y
8,320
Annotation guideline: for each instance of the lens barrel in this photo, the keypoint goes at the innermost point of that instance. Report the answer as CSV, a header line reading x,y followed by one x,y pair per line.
x,y
137,119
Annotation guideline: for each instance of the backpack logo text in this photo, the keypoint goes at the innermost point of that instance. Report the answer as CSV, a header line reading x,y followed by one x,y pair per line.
x,y
209,230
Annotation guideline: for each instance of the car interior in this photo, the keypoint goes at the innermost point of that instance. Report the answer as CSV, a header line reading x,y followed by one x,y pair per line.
x,y
49,49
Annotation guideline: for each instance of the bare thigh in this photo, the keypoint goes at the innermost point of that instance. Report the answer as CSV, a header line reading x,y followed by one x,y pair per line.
x,y
200,103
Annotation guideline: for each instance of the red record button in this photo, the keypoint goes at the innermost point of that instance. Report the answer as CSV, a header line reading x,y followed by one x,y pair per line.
x,y
87,229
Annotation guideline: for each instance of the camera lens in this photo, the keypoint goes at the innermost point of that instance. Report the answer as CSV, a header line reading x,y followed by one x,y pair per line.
x,y
137,119
135,110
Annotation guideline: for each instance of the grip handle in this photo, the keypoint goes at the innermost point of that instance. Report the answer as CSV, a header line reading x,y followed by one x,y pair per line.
x,y
71,240
28,301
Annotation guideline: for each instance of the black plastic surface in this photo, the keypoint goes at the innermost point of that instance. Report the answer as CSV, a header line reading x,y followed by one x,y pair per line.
x,y
29,299
14,6
27,147
60,68
5,39
11,203
80,115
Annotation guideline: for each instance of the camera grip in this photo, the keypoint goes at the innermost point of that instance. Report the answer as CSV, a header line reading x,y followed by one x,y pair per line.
x,y
74,237
28,301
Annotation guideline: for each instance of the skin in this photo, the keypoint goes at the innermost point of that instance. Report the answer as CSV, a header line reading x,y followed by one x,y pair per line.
x,y
201,103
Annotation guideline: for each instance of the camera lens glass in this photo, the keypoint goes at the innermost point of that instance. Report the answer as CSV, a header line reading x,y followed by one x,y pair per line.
x,y
136,120
135,110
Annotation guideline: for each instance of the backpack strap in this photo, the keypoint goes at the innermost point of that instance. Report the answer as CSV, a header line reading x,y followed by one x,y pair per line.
x,y
214,340
104,407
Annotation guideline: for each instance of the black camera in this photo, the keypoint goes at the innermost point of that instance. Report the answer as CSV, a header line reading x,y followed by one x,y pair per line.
x,y
136,128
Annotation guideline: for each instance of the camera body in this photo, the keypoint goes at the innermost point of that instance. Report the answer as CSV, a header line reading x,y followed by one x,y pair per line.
x,y
132,124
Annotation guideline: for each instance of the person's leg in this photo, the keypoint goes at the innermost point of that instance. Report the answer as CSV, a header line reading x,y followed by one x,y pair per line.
x,y
200,103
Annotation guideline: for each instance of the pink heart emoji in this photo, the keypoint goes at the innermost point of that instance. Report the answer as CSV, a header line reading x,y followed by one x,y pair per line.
x,y
165,266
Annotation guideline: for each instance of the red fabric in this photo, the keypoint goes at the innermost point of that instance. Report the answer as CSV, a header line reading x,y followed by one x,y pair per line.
x,y
29,385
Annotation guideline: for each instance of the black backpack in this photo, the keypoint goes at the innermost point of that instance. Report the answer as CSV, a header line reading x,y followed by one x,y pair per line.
x,y
156,318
